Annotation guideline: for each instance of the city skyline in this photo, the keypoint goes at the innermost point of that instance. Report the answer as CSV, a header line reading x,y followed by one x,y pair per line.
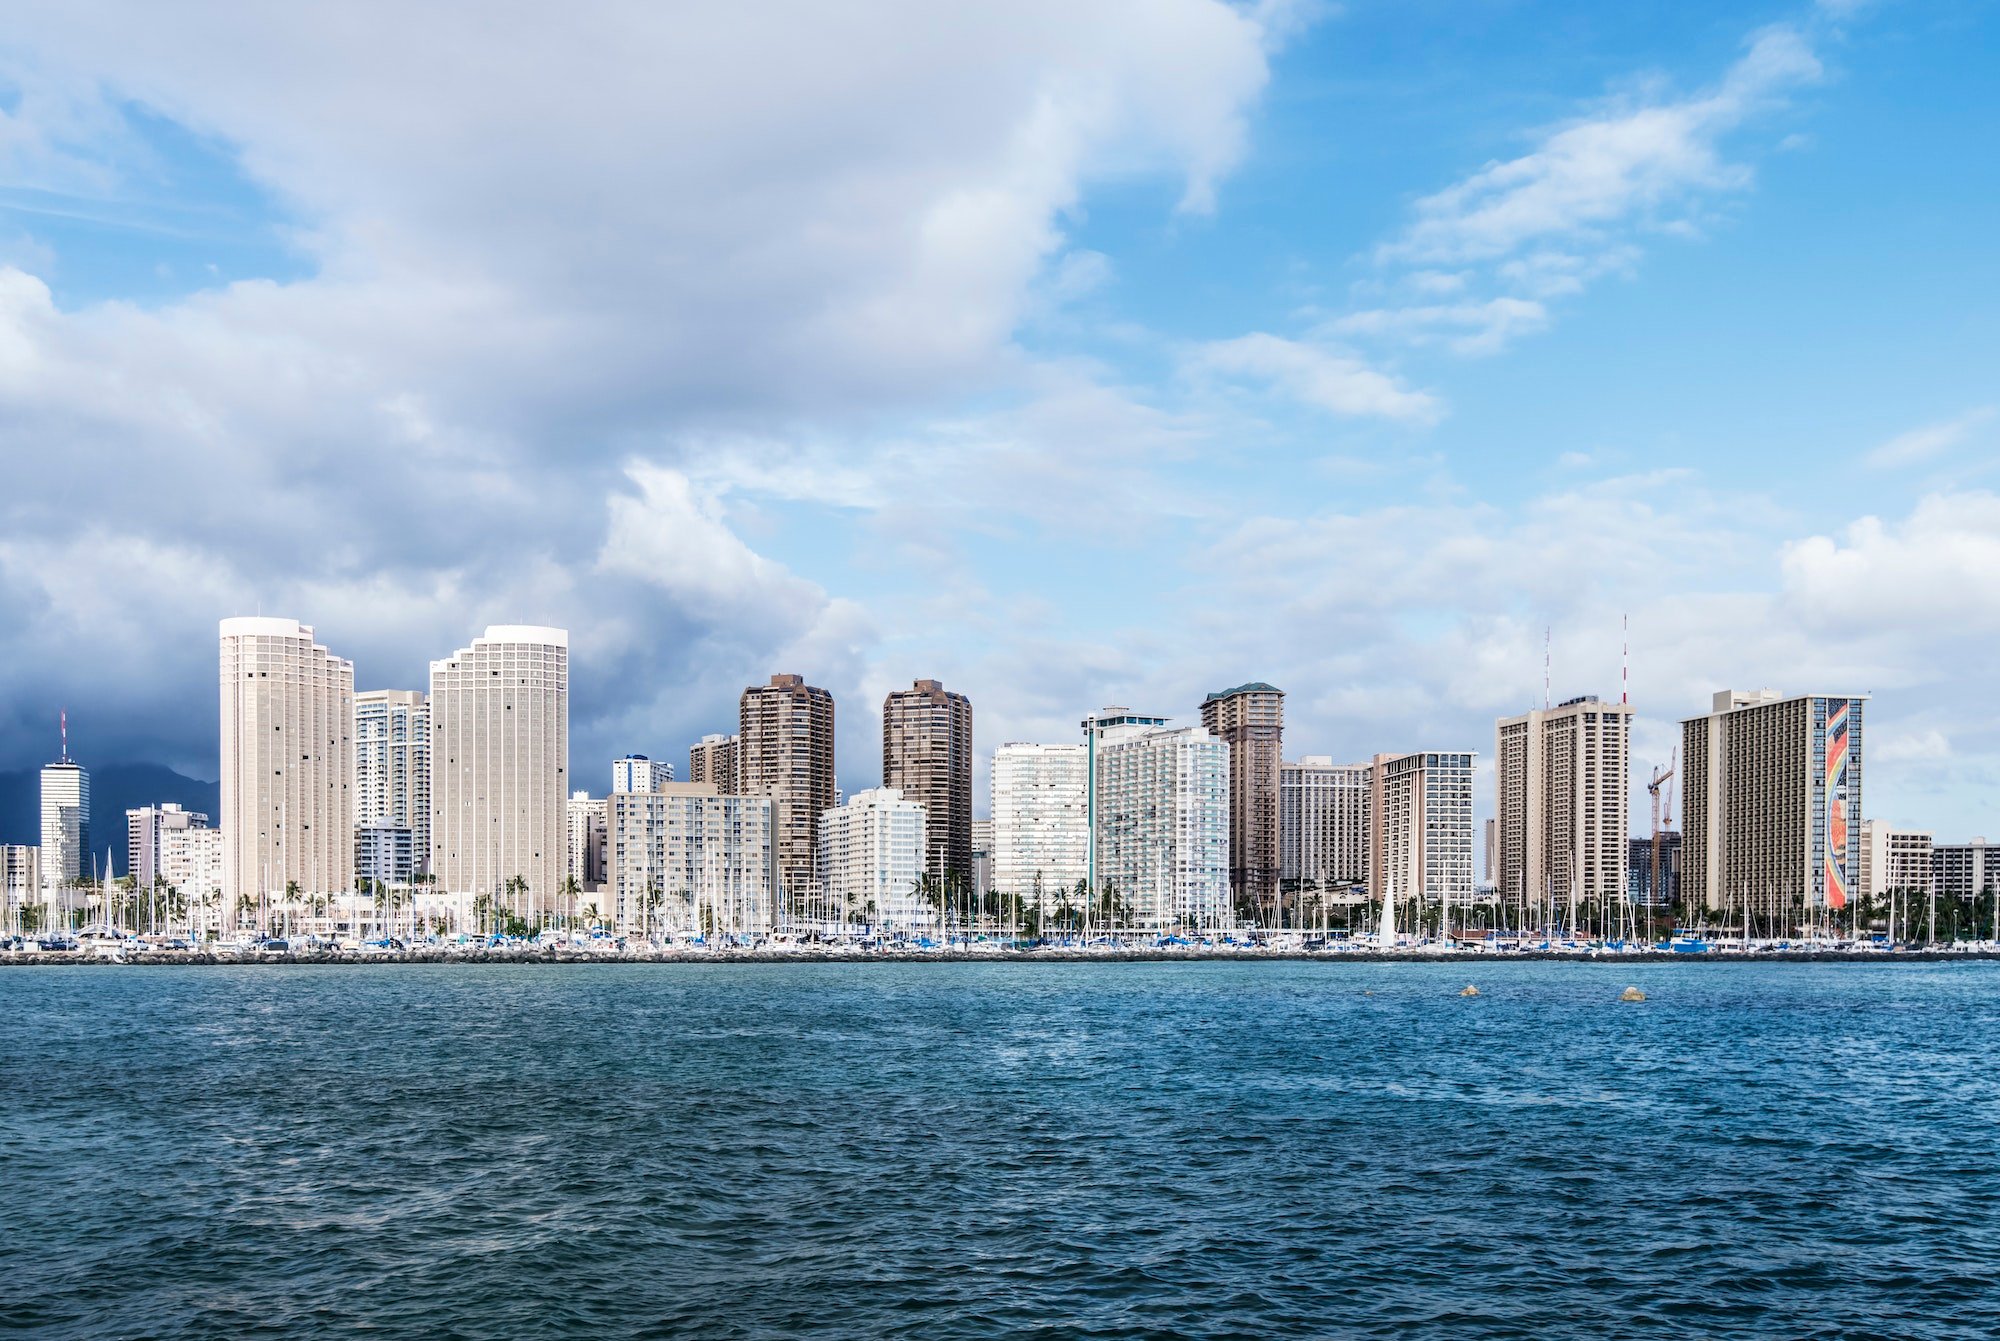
x,y
1377,346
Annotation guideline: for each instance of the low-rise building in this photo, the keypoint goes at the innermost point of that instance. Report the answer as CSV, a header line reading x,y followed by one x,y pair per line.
x,y
686,861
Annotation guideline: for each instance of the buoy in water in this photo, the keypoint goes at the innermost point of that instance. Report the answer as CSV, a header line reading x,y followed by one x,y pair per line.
x,y
1631,994
1470,990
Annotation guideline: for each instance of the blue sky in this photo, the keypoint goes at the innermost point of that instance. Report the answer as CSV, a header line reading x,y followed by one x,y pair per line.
x,y
1070,357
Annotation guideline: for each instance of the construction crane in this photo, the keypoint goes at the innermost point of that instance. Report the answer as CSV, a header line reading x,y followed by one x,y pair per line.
x,y
1661,777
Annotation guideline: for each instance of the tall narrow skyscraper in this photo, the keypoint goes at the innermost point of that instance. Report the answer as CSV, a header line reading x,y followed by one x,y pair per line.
x,y
1561,777
65,821
500,765
785,752
1250,720
927,756
392,784
287,763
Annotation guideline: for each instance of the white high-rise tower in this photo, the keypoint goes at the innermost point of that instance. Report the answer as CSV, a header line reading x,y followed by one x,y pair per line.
x,y
287,762
65,820
500,766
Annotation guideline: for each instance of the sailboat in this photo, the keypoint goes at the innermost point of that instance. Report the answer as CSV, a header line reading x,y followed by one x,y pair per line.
x,y
1385,931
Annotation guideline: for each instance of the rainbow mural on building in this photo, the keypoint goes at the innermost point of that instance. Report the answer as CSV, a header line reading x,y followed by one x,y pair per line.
x,y
1839,751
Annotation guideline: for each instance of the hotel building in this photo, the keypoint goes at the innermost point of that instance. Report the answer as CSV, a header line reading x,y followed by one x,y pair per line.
x,y
287,765
1162,832
392,785
927,756
1041,819
1323,823
1771,799
1250,721
1561,780
1966,870
873,850
500,764
688,861
785,752
1420,833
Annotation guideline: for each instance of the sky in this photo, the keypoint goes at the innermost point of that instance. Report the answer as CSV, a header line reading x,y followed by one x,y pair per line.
x,y
1069,354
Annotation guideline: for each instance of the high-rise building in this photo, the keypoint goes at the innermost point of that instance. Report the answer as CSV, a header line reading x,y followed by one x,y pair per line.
x,y
1163,824
65,858
785,752
1771,796
145,829
392,785
1966,870
1420,827
1894,860
587,821
1323,822
1492,827
1639,870
637,773
1095,728
1562,779
712,759
686,861
872,852
1250,720
927,756
500,765
1041,819
287,763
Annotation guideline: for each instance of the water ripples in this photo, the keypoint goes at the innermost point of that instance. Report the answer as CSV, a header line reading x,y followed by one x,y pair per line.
x,y
1022,1149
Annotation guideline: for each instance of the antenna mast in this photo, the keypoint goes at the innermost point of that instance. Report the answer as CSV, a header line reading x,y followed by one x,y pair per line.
x,y
62,716
1548,640
1625,662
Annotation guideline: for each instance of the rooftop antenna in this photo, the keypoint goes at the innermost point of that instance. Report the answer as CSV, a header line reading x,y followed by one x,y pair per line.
x,y
62,716
1625,663
1548,640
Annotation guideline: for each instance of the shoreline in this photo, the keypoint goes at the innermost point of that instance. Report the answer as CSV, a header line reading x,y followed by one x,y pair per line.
x,y
77,959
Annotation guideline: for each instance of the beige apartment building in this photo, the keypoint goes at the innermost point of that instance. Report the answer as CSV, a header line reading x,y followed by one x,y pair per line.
x,y
1420,833
785,752
1250,720
687,861
500,767
1902,860
1771,801
1561,778
287,763
1323,822
927,757
712,759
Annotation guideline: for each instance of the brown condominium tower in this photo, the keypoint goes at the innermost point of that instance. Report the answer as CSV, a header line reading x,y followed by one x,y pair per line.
x,y
785,751
927,755
1250,720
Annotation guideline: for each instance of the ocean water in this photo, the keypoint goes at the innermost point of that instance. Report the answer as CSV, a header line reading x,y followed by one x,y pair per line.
x,y
924,1150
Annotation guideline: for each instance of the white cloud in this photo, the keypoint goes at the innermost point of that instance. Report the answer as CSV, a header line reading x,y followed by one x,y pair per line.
x,y
1608,168
550,249
1336,382
1930,440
